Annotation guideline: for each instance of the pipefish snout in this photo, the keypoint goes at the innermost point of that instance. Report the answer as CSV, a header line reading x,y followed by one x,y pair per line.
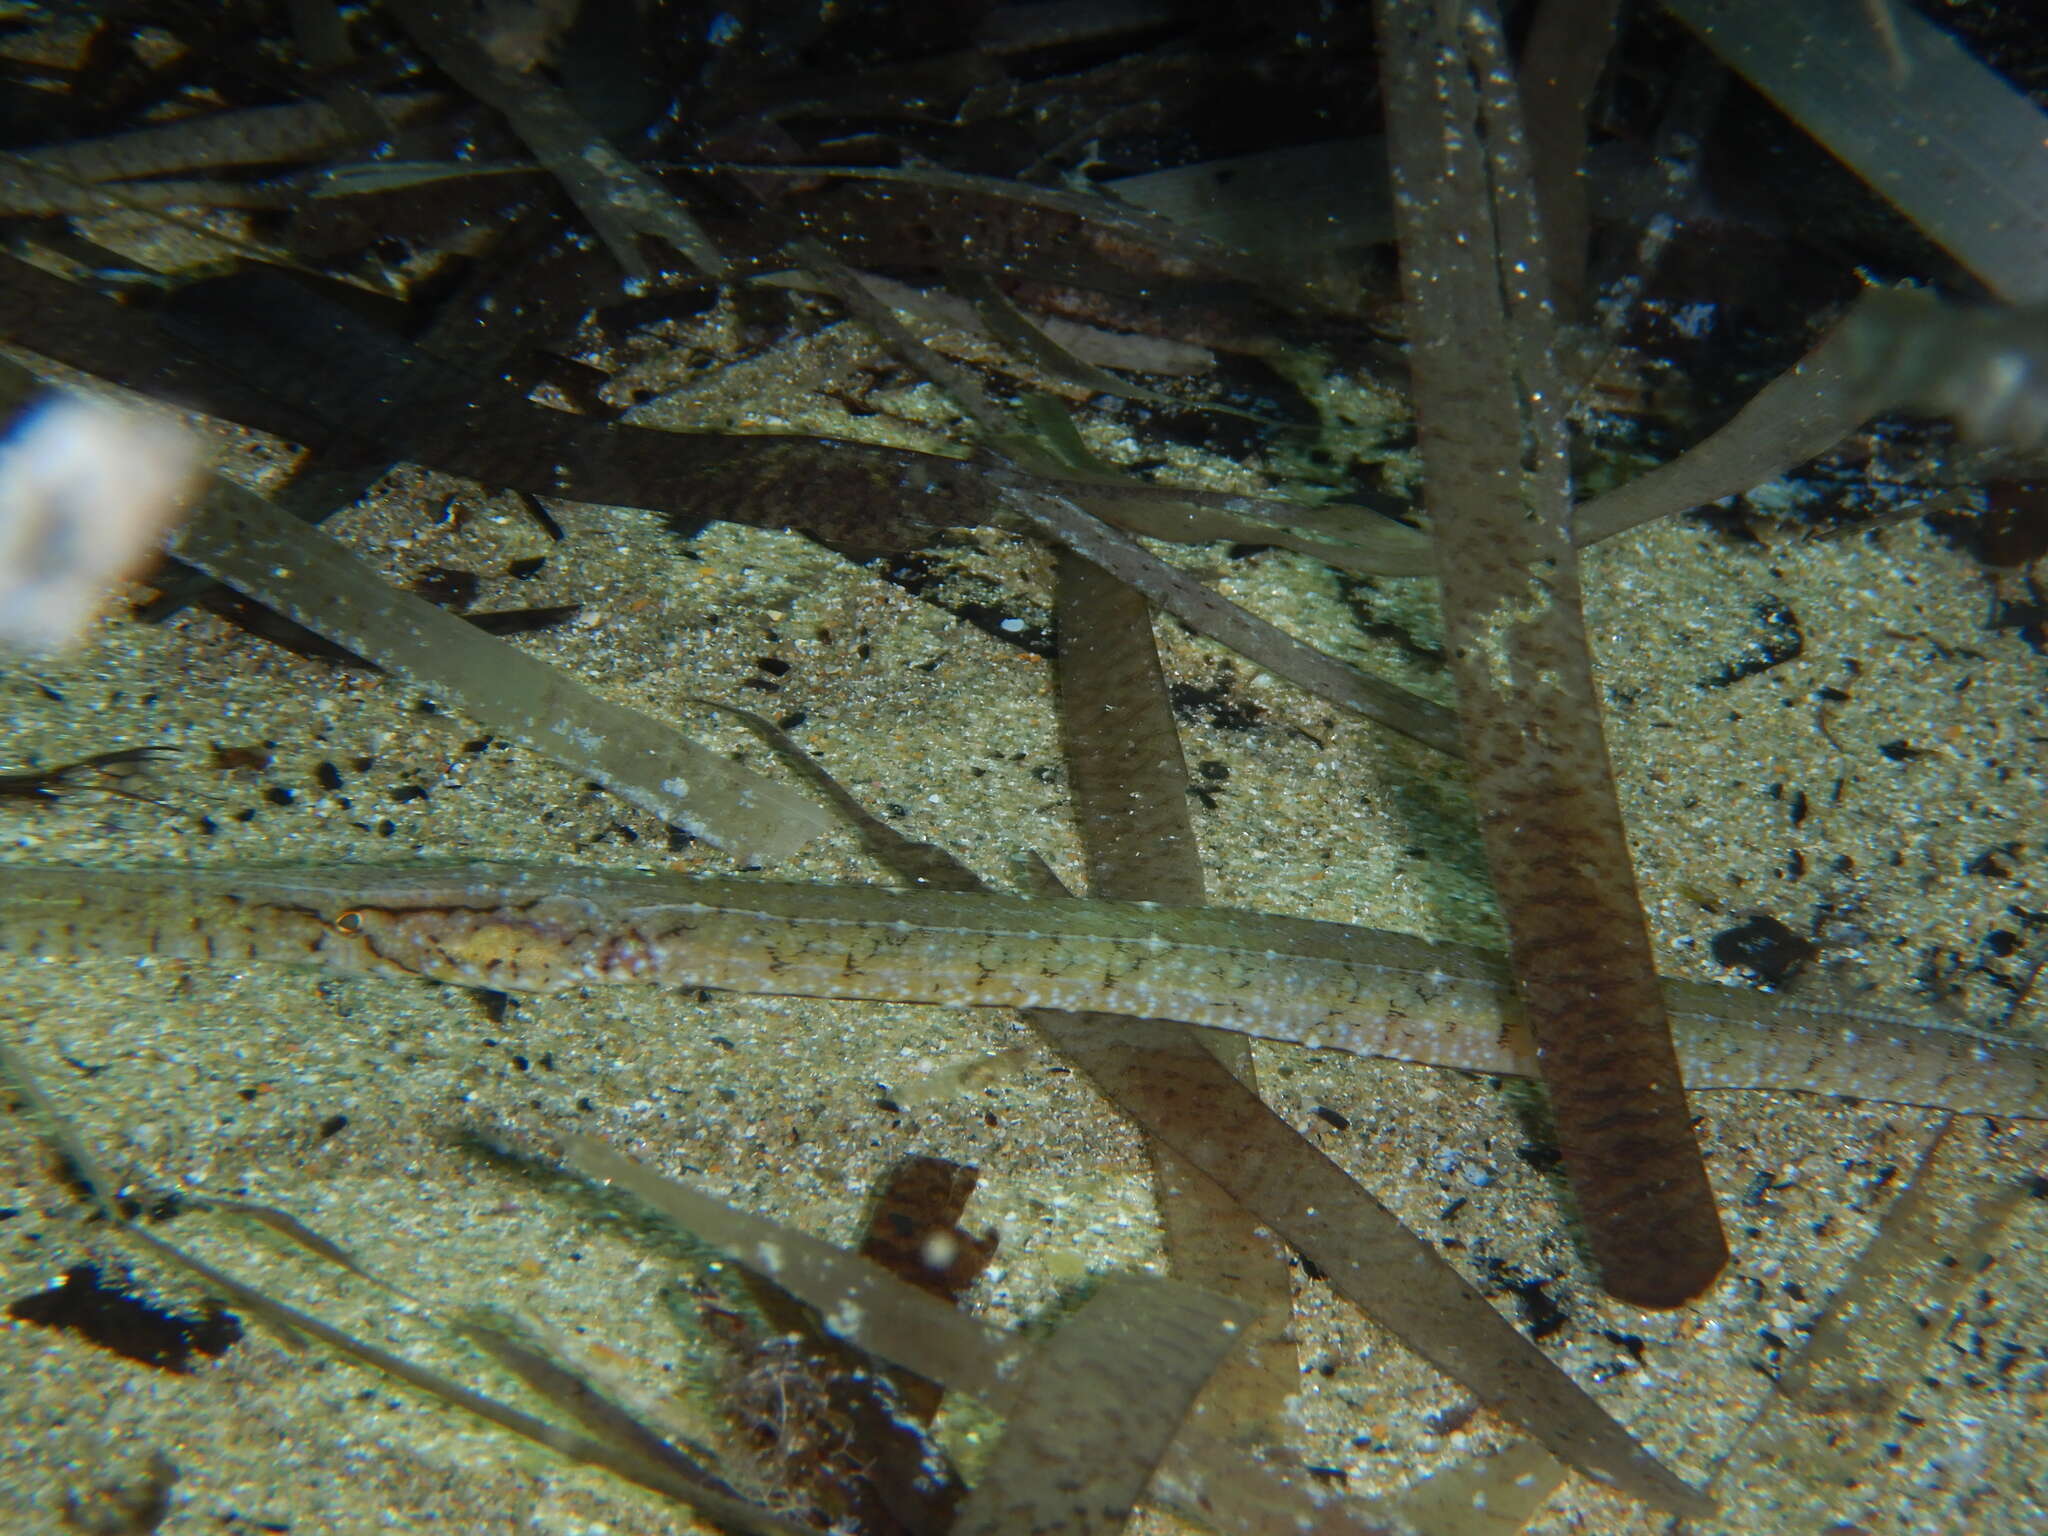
x,y
532,929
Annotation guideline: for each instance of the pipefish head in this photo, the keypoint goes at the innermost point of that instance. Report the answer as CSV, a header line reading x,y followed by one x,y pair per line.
x,y
546,944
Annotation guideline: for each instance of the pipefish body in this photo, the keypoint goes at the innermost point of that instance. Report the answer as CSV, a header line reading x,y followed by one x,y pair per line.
x,y
535,929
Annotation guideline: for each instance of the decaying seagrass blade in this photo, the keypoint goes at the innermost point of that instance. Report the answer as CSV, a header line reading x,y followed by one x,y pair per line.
x,y
1492,431
238,538
1803,412
852,495
1896,349
1096,1407
1492,1494
215,140
914,1232
510,1342
28,192
1562,60
1129,783
623,1461
1956,147
1123,751
1805,1462
621,200
1206,611
1182,1096
673,1474
858,1301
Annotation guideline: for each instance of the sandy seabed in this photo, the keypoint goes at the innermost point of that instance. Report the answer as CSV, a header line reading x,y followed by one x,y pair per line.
x,y
1901,820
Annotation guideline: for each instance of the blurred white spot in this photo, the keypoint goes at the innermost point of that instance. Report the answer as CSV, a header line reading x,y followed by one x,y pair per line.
x,y
86,492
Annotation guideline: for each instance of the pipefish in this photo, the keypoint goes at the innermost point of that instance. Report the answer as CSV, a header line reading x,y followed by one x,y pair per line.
x,y
1324,985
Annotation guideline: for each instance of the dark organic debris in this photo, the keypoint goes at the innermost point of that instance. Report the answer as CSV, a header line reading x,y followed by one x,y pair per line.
x,y
114,1316
844,1433
970,598
1764,947
1221,703
914,1230
1541,1312
1779,640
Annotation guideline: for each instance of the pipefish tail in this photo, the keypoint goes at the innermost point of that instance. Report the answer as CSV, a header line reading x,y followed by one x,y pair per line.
x,y
1325,985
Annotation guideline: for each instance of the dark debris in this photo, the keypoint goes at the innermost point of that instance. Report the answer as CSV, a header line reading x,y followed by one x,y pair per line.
x,y
117,1318
1763,946
1778,640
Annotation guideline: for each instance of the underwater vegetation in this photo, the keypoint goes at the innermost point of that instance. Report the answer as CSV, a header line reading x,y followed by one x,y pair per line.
x,y
1498,549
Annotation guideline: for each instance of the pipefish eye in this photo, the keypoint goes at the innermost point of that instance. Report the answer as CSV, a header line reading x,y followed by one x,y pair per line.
x,y
349,922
